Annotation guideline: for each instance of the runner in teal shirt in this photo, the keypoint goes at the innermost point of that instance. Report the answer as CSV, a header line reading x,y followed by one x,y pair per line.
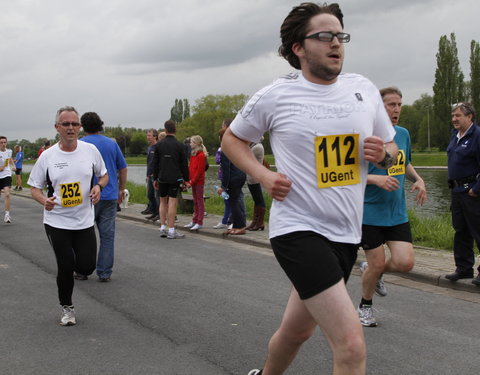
x,y
385,219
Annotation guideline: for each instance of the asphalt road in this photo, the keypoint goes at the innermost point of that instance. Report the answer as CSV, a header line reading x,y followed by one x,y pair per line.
x,y
200,306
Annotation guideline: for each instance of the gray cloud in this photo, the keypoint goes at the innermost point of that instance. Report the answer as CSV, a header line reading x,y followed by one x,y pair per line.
x,y
128,60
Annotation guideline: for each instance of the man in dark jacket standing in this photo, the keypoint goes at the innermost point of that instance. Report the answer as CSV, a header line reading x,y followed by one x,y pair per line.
x,y
463,178
170,171
152,207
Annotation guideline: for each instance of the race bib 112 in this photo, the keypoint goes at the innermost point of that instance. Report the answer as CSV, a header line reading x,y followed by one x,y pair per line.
x,y
337,160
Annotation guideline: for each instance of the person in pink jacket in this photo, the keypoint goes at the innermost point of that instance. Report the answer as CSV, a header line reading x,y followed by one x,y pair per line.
x,y
198,160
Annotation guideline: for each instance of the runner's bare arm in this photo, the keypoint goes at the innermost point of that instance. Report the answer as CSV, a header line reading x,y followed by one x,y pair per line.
x,y
237,150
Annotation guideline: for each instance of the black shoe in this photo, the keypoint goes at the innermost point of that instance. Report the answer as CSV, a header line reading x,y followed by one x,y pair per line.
x,y
79,276
150,217
146,212
104,279
458,275
476,281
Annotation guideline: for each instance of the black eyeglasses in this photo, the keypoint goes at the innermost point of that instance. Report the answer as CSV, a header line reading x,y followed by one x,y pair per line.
x,y
327,36
66,124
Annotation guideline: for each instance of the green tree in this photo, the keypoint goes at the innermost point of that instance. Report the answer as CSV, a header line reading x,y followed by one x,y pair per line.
x,y
415,118
449,88
186,109
180,110
138,143
475,75
208,115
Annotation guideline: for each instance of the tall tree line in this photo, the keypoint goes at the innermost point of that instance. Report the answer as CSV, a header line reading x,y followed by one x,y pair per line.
x,y
450,87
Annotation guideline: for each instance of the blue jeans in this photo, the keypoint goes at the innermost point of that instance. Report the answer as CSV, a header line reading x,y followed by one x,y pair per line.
x,y
105,214
226,212
236,203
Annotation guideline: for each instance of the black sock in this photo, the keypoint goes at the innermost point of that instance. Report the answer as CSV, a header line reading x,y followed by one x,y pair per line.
x,y
367,302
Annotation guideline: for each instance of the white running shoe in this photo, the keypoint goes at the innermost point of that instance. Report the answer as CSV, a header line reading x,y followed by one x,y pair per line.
x,y
196,227
220,225
163,233
175,235
381,288
7,218
363,266
189,225
254,372
367,319
68,316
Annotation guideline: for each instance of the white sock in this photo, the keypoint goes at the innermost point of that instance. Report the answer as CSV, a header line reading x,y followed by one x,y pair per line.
x,y
163,227
171,230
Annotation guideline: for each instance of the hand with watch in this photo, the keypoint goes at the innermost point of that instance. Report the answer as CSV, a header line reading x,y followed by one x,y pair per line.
x,y
388,160
95,193
381,154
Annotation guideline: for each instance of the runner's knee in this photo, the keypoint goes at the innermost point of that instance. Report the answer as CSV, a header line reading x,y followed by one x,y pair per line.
x,y
352,350
296,336
376,265
405,266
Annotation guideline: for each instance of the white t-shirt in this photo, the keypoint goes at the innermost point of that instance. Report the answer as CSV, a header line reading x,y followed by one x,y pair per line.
x,y
316,134
69,177
5,157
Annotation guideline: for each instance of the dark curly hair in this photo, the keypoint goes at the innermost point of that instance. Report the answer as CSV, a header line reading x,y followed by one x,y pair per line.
x,y
91,122
295,27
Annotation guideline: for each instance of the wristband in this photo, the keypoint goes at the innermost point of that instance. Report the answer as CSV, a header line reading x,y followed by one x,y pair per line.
x,y
100,186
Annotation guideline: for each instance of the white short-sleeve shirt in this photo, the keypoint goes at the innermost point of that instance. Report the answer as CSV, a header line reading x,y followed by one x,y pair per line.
x,y
5,157
316,134
69,177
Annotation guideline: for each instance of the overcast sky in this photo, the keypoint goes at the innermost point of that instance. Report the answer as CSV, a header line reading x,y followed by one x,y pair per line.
x,y
128,60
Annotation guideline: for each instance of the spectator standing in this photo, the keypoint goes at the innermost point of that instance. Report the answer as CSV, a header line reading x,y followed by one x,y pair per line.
x,y
256,191
169,173
233,180
464,179
6,168
223,224
196,170
152,207
18,167
45,146
111,194
67,170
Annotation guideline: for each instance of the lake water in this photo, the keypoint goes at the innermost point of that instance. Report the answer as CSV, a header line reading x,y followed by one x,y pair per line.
x,y
435,180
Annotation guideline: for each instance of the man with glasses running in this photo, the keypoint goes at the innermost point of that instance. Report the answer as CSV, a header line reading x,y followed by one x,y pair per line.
x,y
324,129
67,169
464,180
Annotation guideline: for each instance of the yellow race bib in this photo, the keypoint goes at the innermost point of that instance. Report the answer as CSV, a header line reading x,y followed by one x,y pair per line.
x,y
337,159
400,165
71,194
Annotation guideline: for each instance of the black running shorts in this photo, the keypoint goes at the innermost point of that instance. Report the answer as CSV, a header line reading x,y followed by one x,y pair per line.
x,y
312,262
374,236
170,190
5,182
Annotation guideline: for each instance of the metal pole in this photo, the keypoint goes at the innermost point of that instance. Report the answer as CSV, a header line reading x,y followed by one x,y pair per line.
x,y
428,126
